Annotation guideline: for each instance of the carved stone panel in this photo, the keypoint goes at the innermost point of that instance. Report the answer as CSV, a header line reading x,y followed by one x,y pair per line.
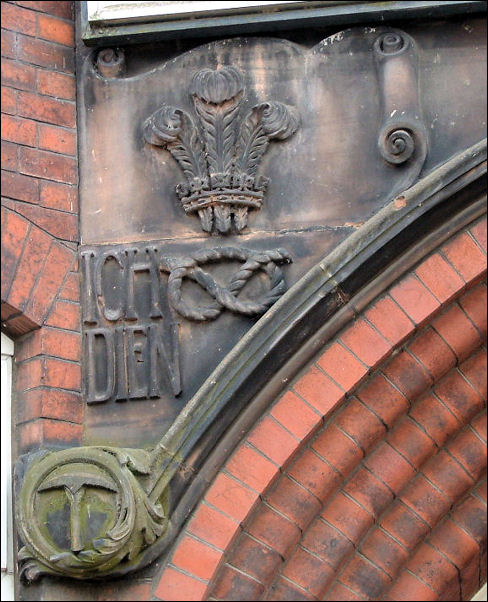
x,y
212,180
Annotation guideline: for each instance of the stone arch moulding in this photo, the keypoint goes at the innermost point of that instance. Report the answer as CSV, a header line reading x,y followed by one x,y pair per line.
x,y
369,469
157,490
327,496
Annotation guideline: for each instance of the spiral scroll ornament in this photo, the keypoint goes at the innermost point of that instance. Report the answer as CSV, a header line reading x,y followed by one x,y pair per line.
x,y
397,145
402,137
391,43
110,62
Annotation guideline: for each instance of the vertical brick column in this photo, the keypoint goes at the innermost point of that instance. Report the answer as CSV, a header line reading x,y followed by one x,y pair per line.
x,y
40,281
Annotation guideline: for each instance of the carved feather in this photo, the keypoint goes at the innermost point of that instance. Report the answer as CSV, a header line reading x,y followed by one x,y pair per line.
x,y
217,95
240,218
206,219
219,132
215,154
252,142
264,122
173,129
222,218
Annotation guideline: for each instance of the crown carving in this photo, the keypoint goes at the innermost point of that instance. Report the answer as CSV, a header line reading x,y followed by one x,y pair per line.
x,y
220,156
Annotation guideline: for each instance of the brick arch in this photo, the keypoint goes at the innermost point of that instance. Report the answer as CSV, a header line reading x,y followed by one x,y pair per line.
x,y
41,311
38,270
364,479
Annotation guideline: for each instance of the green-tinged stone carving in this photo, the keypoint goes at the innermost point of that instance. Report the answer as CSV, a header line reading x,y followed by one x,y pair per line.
x,y
82,511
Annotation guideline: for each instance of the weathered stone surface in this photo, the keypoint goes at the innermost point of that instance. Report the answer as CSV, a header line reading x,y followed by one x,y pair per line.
x,y
328,173
326,179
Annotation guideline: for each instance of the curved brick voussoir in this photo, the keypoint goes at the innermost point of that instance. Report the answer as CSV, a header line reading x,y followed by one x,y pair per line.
x,y
36,268
423,514
448,562
364,461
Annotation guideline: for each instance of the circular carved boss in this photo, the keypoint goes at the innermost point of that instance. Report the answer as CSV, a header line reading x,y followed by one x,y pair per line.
x,y
80,513
391,43
111,62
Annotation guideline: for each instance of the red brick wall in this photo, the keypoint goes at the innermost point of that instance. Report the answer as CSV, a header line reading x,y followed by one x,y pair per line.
x,y
367,478
40,284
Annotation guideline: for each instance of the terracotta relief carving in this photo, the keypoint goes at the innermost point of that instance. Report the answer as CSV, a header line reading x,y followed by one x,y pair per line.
x,y
131,345
89,512
131,348
134,293
219,160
